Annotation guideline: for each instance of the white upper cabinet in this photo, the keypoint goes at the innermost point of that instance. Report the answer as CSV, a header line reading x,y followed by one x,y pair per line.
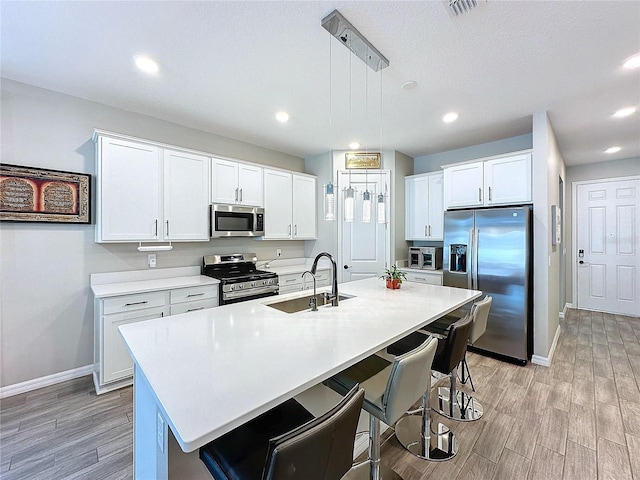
x,y
304,207
128,191
497,181
508,180
236,183
424,207
289,206
186,196
149,193
463,185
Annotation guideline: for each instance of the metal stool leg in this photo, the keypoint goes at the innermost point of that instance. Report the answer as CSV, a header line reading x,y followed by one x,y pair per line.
x,y
466,378
456,404
424,438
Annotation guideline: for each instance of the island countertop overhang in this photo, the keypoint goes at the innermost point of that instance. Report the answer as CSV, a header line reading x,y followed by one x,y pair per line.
x,y
214,369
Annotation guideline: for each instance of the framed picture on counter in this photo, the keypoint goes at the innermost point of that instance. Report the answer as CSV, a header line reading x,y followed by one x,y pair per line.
x,y
29,194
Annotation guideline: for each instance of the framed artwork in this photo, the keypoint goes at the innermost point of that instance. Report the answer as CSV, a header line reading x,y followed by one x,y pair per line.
x,y
362,160
30,194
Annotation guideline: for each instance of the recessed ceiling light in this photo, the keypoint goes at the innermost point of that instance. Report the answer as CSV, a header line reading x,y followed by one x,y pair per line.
x,y
450,117
624,112
612,150
632,62
354,145
146,64
282,117
409,85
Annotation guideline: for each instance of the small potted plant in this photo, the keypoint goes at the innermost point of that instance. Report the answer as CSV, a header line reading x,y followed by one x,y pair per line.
x,y
394,277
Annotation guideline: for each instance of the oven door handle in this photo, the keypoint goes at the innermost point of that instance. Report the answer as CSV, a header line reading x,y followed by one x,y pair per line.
x,y
251,292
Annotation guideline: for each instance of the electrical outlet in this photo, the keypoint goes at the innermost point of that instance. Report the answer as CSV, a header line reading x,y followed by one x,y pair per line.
x,y
160,432
151,260
278,252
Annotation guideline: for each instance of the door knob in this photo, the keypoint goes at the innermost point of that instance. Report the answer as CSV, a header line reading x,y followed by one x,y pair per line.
x,y
581,262
346,267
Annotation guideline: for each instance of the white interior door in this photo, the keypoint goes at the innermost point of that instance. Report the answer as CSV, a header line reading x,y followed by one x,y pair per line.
x,y
607,243
363,251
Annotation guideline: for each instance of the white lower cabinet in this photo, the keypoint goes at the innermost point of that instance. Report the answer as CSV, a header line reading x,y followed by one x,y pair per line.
x,y
431,278
293,282
113,367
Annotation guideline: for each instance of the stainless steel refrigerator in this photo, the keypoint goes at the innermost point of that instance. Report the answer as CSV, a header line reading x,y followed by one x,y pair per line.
x,y
490,250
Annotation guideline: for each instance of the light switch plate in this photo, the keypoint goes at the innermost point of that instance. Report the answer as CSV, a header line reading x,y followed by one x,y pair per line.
x,y
151,260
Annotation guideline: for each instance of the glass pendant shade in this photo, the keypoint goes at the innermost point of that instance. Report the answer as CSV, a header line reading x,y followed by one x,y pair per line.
x,y
382,210
349,205
366,207
329,202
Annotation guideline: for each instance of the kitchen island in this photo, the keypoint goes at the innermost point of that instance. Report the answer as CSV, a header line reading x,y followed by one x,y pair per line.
x,y
202,374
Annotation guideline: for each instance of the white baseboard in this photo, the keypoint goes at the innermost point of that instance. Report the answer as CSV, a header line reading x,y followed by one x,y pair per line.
x,y
564,310
36,383
546,361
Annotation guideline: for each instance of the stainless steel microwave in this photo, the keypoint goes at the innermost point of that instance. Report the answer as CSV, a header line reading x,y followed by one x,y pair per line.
x,y
236,221
426,258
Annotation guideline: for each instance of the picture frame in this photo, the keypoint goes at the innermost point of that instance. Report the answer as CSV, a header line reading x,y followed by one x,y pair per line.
x,y
361,160
29,194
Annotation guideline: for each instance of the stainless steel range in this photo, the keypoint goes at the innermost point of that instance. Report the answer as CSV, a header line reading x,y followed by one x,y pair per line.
x,y
240,280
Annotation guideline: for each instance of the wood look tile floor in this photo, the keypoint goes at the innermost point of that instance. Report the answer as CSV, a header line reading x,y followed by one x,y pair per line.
x,y
576,420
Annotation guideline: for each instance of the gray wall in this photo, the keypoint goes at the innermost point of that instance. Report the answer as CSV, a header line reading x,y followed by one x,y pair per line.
x,y
595,171
433,162
46,306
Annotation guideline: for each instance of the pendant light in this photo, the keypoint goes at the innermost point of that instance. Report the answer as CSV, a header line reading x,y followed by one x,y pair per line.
x,y
329,202
366,201
382,209
349,204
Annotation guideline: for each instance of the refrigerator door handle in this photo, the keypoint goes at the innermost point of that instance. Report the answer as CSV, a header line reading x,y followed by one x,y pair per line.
x,y
474,258
471,250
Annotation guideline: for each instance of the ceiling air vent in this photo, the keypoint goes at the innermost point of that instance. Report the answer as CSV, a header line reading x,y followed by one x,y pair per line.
x,y
462,6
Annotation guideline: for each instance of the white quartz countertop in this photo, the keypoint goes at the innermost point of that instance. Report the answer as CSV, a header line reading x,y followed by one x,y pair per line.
x,y
421,270
152,285
214,369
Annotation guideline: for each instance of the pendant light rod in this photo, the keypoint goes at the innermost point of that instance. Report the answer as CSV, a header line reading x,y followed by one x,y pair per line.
x,y
350,37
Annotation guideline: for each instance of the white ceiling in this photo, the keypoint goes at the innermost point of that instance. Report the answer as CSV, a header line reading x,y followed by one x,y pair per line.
x,y
227,67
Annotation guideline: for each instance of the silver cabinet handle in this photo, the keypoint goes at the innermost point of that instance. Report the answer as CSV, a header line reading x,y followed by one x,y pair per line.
x,y
489,193
295,230
194,309
167,228
240,195
426,232
136,303
236,194
429,230
289,229
195,295
479,194
156,234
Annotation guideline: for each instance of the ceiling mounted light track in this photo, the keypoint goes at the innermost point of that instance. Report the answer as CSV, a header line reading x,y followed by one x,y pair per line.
x,y
350,37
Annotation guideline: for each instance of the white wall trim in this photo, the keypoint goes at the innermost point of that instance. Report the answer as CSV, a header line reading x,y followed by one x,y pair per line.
x,y
564,310
36,383
546,361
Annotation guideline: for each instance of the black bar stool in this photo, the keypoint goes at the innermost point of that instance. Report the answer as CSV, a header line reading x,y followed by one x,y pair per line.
x,y
287,442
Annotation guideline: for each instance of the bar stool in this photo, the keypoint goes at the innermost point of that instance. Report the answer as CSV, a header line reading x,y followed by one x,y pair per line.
x,y
287,442
480,312
451,402
390,389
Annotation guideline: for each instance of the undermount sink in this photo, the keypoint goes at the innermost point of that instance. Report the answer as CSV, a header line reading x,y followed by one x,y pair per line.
x,y
294,305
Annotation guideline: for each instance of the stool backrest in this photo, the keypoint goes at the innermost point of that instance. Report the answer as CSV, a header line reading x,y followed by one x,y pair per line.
x,y
409,377
321,449
454,346
480,312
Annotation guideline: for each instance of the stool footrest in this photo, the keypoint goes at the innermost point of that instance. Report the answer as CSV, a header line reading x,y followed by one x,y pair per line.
x,y
463,408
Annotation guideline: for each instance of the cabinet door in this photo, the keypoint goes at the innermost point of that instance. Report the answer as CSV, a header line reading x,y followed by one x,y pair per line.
x,y
277,205
128,200
436,207
508,180
250,185
417,207
463,185
186,196
304,207
116,361
224,181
